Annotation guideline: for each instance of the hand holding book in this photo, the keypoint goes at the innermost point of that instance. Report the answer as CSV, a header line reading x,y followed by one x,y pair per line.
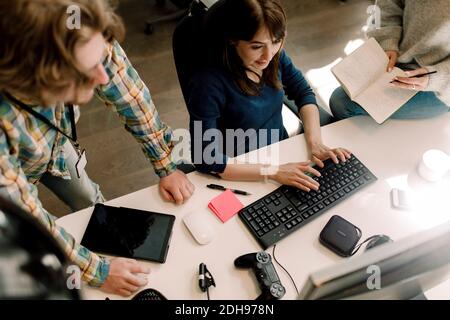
x,y
392,55
415,80
364,77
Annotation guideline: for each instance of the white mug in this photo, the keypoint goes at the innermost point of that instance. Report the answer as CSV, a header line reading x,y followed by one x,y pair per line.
x,y
434,165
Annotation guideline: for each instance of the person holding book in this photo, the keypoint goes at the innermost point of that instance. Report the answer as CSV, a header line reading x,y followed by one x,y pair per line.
x,y
415,37
243,93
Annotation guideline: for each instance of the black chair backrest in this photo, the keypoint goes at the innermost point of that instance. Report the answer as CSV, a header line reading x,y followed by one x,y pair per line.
x,y
182,3
194,48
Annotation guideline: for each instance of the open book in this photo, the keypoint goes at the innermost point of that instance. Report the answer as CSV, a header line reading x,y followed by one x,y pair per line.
x,y
364,78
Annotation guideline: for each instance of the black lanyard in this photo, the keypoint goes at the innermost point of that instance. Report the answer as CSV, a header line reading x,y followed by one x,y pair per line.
x,y
30,110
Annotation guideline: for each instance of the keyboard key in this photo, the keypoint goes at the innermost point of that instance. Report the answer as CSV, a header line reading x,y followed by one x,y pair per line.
x,y
254,225
247,215
258,206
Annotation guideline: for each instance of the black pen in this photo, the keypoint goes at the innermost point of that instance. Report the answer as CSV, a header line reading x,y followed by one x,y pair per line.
x,y
219,187
419,75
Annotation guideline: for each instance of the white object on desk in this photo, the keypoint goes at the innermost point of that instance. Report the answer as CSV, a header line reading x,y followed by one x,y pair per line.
x,y
300,253
199,227
434,165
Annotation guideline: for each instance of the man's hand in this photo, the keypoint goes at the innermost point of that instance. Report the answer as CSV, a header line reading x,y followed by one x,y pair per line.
x,y
392,55
176,187
122,278
320,152
412,83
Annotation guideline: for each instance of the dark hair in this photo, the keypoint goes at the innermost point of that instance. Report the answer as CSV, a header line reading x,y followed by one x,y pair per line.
x,y
241,21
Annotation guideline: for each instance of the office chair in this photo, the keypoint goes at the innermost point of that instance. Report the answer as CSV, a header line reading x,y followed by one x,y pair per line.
x,y
192,52
183,7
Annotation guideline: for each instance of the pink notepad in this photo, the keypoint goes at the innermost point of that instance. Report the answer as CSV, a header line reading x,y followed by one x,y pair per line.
x,y
225,205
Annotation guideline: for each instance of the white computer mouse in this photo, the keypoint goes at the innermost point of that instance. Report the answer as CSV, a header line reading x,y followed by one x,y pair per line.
x,y
200,228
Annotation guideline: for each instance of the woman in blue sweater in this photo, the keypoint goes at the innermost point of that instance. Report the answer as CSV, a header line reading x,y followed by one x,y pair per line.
x,y
236,106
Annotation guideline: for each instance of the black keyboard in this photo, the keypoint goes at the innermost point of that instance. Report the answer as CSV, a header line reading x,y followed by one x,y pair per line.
x,y
287,209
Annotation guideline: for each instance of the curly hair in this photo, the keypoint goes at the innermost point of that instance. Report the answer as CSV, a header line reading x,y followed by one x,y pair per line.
x,y
37,47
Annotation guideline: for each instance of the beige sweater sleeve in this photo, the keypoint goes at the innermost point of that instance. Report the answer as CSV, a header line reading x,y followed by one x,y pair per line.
x,y
440,82
390,31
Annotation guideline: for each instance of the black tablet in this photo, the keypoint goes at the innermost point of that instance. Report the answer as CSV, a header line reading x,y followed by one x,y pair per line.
x,y
129,233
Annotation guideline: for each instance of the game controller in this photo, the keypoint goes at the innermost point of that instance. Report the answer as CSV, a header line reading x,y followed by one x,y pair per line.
x,y
267,276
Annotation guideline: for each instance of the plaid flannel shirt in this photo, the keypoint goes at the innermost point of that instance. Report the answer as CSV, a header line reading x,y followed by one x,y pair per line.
x,y
29,148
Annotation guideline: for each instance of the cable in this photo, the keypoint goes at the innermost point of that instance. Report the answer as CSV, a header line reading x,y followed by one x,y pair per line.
x,y
207,293
274,258
359,245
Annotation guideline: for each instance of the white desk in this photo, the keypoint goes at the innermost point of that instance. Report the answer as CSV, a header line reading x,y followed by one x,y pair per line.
x,y
391,151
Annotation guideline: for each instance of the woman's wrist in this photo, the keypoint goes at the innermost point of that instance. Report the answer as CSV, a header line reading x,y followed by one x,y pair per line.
x,y
268,171
312,142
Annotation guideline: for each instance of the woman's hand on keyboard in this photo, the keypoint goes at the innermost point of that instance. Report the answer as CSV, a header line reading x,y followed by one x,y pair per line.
x,y
294,174
320,152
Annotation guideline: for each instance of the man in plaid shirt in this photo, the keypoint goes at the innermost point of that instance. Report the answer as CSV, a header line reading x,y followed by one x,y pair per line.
x,y
45,66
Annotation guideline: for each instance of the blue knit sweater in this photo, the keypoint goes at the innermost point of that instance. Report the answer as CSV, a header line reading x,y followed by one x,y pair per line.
x,y
216,102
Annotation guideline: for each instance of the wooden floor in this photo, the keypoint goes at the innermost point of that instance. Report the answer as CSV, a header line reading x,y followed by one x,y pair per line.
x,y
319,33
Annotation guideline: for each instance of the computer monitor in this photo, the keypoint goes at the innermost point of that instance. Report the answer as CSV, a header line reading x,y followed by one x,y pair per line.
x,y
397,270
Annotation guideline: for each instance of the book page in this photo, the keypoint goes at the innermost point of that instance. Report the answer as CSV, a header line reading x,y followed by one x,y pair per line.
x,y
361,68
381,100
